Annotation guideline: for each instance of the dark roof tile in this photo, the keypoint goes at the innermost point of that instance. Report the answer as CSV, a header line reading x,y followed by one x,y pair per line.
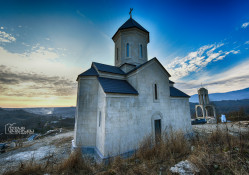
x,y
116,86
132,23
171,82
108,68
89,72
177,93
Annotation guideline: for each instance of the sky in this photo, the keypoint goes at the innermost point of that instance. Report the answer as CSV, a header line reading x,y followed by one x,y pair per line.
x,y
44,45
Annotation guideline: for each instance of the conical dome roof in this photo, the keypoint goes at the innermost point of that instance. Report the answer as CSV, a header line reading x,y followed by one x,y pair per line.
x,y
130,23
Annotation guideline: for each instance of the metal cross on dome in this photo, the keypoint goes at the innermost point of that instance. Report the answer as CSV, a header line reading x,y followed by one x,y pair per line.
x,y
130,12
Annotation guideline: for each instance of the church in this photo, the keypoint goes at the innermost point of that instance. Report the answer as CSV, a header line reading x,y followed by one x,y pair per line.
x,y
118,106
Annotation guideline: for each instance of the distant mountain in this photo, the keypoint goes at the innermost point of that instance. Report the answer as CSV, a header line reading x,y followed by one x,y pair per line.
x,y
233,95
64,112
225,106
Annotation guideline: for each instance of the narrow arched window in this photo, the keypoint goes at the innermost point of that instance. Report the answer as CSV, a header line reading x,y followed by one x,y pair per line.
x,y
99,118
141,51
117,54
155,89
127,50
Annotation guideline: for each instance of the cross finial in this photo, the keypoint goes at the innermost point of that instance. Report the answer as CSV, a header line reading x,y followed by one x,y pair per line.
x,y
130,12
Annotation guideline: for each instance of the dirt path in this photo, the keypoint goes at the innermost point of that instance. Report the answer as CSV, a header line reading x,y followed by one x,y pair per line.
x,y
56,146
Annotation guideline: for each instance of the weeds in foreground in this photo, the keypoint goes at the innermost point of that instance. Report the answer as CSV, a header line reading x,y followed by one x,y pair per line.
x,y
216,153
222,153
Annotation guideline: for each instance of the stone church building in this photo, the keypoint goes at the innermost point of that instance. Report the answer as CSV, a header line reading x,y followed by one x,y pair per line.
x,y
118,106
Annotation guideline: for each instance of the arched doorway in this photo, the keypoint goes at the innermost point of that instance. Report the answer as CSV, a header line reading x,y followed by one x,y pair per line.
x,y
156,123
158,130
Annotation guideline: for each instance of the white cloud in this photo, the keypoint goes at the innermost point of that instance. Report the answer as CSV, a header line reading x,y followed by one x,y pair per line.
x,y
247,42
35,77
245,25
195,61
2,28
233,79
39,60
6,38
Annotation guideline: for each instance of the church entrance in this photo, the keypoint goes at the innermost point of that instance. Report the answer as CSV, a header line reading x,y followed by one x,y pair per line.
x,y
157,130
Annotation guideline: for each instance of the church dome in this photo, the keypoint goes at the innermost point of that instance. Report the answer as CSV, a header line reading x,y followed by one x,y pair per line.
x,y
130,23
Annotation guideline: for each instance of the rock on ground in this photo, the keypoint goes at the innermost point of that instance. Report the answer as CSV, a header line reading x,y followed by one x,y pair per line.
x,y
184,168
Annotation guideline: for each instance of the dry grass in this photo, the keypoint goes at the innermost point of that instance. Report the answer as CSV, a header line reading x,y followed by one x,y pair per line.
x,y
65,140
75,164
221,153
27,168
216,153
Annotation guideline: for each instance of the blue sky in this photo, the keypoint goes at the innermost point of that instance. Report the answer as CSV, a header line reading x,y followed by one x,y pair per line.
x,y
44,45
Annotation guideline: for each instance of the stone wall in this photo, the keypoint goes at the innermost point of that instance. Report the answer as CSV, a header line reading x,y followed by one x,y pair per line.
x,y
180,111
100,123
129,119
87,103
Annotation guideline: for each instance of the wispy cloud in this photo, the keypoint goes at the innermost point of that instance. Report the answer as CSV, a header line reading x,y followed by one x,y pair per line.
x,y
6,38
194,61
37,77
247,42
32,84
39,60
245,25
232,79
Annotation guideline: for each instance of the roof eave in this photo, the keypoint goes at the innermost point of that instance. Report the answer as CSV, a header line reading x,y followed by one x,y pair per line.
x,y
112,73
134,70
122,93
132,28
86,76
127,64
180,96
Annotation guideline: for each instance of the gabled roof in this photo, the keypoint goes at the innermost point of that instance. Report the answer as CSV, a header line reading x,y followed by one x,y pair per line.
x,y
108,68
171,82
127,64
116,70
89,72
142,65
116,86
131,23
174,92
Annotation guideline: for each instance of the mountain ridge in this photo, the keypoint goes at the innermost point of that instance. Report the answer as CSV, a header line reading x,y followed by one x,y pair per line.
x,y
231,95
